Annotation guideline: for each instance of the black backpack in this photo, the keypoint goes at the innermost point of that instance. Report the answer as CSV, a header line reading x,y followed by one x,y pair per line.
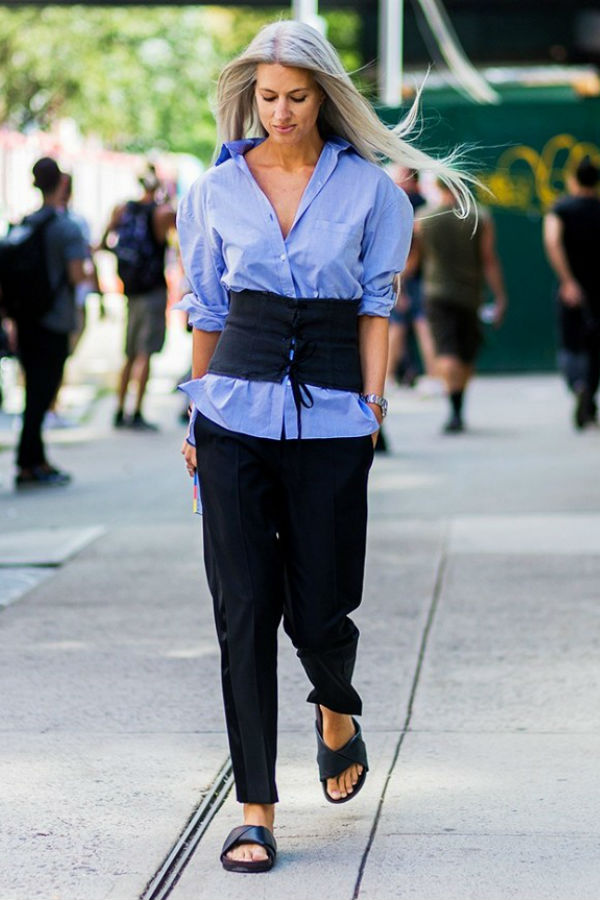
x,y
27,292
140,258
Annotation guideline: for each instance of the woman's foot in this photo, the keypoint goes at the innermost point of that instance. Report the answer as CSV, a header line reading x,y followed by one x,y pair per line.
x,y
254,814
338,729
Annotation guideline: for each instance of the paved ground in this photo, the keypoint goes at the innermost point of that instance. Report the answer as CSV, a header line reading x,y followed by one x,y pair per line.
x,y
478,666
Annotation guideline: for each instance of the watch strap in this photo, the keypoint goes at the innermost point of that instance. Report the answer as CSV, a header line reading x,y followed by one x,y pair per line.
x,y
376,399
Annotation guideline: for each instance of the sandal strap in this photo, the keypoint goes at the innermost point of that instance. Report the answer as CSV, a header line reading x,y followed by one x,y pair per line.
x,y
250,834
333,762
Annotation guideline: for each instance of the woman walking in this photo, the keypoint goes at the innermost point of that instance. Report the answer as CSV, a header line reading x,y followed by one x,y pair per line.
x,y
290,244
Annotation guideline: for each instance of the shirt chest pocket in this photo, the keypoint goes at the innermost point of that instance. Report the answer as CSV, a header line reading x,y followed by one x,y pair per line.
x,y
337,236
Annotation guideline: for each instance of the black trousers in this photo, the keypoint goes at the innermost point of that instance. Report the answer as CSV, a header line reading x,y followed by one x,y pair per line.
x,y
579,352
42,354
284,536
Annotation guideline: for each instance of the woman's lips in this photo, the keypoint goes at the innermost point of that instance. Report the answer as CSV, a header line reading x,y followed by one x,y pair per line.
x,y
284,129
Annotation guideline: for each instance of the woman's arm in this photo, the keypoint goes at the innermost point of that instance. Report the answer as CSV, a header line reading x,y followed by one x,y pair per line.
x,y
373,351
203,347
207,303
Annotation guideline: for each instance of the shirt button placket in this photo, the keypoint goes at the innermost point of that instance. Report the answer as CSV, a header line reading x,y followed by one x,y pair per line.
x,y
287,276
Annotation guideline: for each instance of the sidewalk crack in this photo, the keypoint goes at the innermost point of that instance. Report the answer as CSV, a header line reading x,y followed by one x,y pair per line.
x,y
435,598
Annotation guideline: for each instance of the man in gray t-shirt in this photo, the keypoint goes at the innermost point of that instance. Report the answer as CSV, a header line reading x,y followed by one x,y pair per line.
x,y
65,243
458,256
43,344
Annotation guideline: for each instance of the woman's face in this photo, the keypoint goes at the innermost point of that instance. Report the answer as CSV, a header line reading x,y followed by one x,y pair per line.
x,y
288,101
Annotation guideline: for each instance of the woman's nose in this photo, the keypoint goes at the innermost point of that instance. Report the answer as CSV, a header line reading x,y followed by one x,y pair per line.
x,y
282,110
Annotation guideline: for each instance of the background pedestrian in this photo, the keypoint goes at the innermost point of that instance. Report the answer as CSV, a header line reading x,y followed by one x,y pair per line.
x,y
53,255
408,317
571,240
137,233
458,256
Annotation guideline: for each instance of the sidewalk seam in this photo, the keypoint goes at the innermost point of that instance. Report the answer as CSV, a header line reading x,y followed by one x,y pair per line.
x,y
162,883
437,590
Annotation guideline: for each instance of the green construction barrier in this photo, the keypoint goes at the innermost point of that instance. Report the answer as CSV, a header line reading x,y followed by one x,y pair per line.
x,y
523,149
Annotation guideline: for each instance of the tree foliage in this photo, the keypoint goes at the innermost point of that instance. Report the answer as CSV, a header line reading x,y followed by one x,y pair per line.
x,y
138,77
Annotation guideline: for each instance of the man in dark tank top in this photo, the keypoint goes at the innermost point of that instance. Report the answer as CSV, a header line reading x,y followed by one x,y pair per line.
x,y
572,241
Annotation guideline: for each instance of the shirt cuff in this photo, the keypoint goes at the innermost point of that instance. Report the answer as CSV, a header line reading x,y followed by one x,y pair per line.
x,y
373,305
199,316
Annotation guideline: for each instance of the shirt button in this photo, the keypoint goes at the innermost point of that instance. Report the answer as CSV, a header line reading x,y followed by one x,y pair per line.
x,y
282,257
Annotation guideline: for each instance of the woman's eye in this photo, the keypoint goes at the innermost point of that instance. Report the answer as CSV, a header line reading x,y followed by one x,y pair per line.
x,y
293,99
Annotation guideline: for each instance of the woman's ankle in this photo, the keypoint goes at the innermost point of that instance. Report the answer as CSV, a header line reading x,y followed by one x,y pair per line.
x,y
259,814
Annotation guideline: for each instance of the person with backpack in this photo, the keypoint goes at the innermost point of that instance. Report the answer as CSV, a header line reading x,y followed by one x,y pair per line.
x,y
41,263
137,234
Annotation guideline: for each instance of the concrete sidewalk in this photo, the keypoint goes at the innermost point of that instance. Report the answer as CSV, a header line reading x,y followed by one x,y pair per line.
x,y
478,667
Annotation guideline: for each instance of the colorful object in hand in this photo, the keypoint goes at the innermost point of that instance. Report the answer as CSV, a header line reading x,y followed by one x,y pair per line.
x,y
197,505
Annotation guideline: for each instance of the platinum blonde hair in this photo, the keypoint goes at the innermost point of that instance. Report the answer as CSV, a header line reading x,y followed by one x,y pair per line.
x,y
344,112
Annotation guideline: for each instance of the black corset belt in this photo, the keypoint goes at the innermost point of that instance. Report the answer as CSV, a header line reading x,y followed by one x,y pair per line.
x,y
314,342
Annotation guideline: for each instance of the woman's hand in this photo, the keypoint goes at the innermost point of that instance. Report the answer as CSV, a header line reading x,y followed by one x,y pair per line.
x,y
189,454
378,415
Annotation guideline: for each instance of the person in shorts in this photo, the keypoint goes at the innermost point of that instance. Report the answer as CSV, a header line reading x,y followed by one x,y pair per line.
x,y
408,312
146,311
458,256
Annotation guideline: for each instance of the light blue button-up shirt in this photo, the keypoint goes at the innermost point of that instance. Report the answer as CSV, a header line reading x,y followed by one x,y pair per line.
x,y
351,235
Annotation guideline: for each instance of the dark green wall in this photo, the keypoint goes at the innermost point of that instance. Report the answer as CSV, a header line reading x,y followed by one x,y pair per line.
x,y
523,148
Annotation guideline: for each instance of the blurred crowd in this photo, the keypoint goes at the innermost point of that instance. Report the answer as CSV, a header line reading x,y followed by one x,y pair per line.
x,y
451,290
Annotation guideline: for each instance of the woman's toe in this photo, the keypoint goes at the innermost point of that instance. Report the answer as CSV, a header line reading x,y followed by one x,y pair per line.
x,y
247,853
333,789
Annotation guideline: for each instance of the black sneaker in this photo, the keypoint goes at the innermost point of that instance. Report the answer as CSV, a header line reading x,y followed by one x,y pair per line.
x,y
454,425
119,420
42,476
139,423
583,412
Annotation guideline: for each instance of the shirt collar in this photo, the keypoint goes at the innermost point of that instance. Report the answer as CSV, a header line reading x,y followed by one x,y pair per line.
x,y
231,149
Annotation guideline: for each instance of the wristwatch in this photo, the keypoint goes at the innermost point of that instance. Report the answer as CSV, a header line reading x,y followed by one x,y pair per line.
x,y
381,402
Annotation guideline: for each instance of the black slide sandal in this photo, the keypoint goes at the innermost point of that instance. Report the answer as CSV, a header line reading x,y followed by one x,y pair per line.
x,y
249,834
333,762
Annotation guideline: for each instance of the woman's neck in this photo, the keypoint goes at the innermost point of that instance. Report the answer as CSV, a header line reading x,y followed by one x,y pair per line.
x,y
290,157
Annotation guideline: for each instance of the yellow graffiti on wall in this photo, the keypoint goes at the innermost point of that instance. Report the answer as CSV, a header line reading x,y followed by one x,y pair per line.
x,y
531,182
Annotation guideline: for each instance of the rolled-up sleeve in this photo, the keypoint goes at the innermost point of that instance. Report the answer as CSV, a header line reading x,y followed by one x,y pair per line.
x,y
385,247
207,304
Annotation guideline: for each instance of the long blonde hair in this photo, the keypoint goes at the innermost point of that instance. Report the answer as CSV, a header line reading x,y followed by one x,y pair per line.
x,y
344,112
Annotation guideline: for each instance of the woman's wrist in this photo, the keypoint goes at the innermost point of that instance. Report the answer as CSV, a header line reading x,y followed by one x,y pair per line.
x,y
376,402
